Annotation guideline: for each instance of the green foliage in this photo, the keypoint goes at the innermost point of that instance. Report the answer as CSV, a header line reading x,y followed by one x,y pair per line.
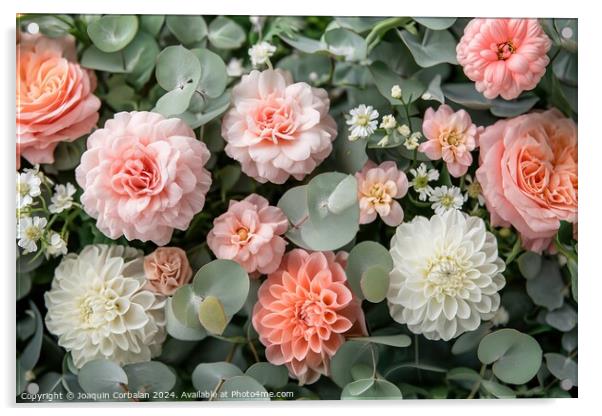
x,y
112,33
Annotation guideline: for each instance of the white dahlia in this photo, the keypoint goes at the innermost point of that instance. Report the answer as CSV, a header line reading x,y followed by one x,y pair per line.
x,y
98,308
446,275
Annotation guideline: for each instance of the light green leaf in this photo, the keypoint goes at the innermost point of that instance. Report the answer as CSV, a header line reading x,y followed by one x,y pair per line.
x,y
375,283
185,305
362,257
358,387
343,196
206,376
563,319
358,24
380,390
212,315
400,341
213,73
343,42
242,388
210,110
351,353
385,79
350,156
68,154
546,289
304,44
435,47
31,353
112,33
436,23
179,330
187,29
470,340
529,264
151,376
498,390
151,23
561,367
224,33
269,375
102,376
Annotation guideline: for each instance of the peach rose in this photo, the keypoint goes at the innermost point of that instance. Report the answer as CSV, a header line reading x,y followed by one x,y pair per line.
x,y
528,172
275,128
249,233
54,97
451,136
304,311
504,56
378,187
143,176
166,269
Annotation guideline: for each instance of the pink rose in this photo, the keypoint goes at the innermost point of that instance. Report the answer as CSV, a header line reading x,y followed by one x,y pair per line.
x,y
249,233
378,187
504,56
451,136
304,311
528,172
54,97
275,128
143,176
166,269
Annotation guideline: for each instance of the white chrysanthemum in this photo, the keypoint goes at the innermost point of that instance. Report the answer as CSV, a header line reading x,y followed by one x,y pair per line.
x,y
421,179
446,275
363,122
98,308
29,232
446,198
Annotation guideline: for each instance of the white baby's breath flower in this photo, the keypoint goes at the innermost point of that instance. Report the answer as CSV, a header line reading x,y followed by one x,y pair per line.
x,y
474,189
260,53
55,246
98,306
396,91
29,232
501,317
388,122
404,130
384,141
446,275
363,121
28,187
421,179
257,22
446,198
234,68
411,143
426,96
62,198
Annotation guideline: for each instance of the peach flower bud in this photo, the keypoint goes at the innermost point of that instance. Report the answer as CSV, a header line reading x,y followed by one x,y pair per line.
x,y
166,269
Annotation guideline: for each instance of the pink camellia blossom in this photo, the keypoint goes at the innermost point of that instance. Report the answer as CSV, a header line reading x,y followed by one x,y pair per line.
x,y
275,128
305,310
451,136
143,176
528,172
54,97
378,187
166,269
250,234
504,56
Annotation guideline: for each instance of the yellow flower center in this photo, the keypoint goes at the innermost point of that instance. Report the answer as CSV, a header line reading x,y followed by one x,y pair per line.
x,y
243,233
363,120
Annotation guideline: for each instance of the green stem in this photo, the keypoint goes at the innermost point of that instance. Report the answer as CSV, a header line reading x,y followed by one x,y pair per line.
x,y
383,27
477,385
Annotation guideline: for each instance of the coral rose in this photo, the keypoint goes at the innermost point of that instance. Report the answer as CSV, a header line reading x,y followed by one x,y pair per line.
x,y
504,56
378,187
249,233
304,311
143,176
275,128
451,136
166,269
54,97
528,171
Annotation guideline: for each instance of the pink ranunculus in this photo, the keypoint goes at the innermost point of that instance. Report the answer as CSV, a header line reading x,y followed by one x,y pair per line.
x,y
54,97
250,234
528,172
275,128
451,136
167,269
304,312
378,187
143,175
504,56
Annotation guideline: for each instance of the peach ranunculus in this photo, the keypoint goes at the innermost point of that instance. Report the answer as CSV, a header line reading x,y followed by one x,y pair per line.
x,y
143,175
277,128
504,56
528,172
378,187
451,136
167,269
304,312
54,97
250,234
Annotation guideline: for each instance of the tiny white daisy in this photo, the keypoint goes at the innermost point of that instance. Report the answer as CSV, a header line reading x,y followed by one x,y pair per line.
x,y
446,198
62,198
474,189
411,142
260,53
363,121
28,187
56,245
396,91
388,122
404,130
29,232
421,180
234,68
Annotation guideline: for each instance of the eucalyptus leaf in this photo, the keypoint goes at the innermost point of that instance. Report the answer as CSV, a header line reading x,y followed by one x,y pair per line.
x,y
348,355
362,257
529,264
188,29
31,353
50,25
470,340
207,376
112,33
102,376
151,376
180,330
385,79
269,375
375,283
224,33
436,23
380,389
343,42
563,319
400,341
225,280
214,77
151,23
242,388
435,47
212,315
304,44
185,304
212,109
546,289
498,390
563,368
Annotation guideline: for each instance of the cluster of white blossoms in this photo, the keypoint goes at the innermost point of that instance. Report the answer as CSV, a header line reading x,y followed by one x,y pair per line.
x,y
261,53
28,187
420,181
362,122
446,275
62,198
98,307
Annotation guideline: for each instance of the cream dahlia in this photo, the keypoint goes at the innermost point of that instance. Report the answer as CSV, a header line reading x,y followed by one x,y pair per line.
x,y
98,306
446,275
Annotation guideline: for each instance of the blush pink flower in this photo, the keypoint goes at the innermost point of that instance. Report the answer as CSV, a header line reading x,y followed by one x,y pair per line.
x,y
54,97
143,176
275,128
304,311
167,269
378,187
250,234
528,172
451,136
504,56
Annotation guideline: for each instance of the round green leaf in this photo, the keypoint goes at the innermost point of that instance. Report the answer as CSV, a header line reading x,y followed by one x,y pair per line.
x,y
385,79
212,315
358,387
498,390
179,330
242,388
213,73
464,376
529,264
516,357
563,319
312,69
344,195
470,340
350,354
375,283
546,289
224,33
400,340
207,376
269,375
343,42
102,376
112,33
435,47
379,390
362,257
187,28
151,376
436,23
561,367
151,23
185,305
210,110
358,24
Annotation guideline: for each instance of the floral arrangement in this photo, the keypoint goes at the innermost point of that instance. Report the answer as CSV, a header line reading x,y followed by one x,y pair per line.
x,y
284,208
